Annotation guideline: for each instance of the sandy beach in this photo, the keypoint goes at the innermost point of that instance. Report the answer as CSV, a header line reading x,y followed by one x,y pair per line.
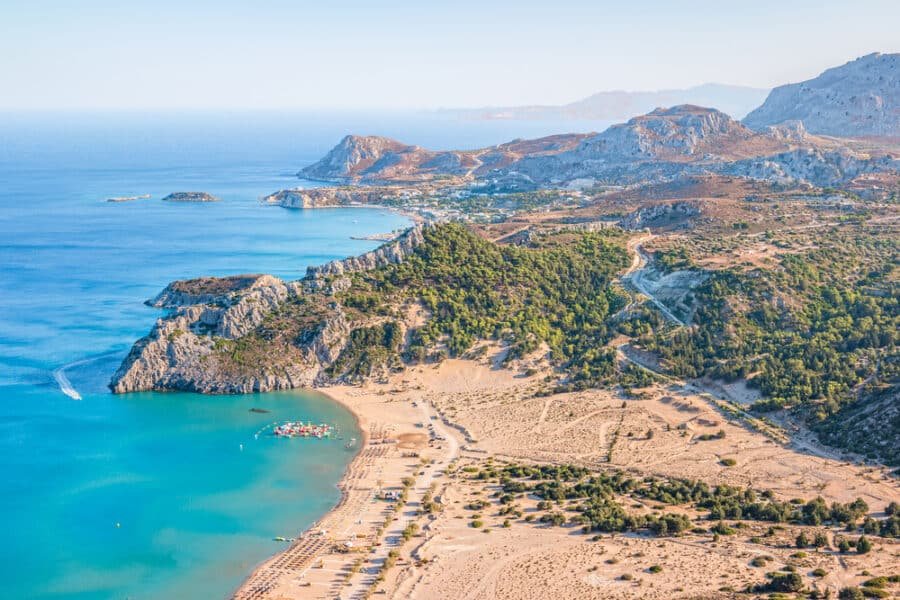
x,y
400,435
425,426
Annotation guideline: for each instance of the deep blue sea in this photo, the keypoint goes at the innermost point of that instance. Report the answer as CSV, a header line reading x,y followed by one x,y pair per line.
x,y
160,495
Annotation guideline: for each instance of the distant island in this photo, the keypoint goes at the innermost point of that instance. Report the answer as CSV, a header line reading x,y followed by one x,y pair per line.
x,y
190,197
734,100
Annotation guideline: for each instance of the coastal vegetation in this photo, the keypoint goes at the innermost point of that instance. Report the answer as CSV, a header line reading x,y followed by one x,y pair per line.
x,y
555,291
818,334
604,503
599,496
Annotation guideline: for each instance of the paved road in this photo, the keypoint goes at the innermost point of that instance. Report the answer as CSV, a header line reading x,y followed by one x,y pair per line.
x,y
635,276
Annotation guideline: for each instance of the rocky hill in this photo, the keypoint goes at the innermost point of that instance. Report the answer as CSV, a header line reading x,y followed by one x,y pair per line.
x,y
673,143
433,291
177,353
680,133
664,145
390,253
860,98
368,159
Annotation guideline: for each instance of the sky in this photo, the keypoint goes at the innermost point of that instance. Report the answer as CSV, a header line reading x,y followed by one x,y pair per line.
x,y
399,54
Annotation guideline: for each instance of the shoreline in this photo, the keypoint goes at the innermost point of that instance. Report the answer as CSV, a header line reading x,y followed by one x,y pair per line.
x,y
414,216
388,454
341,485
488,412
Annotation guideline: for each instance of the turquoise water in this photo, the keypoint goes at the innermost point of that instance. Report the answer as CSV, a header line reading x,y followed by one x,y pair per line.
x,y
195,512
147,495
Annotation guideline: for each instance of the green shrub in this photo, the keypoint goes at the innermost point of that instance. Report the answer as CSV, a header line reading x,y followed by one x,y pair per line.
x,y
783,582
722,529
876,582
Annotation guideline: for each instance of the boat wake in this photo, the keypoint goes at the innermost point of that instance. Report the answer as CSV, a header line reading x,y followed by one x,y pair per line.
x,y
65,386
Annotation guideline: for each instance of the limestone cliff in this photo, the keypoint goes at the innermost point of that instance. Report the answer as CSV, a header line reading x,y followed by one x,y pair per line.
x,y
355,155
206,290
390,253
253,333
860,98
812,165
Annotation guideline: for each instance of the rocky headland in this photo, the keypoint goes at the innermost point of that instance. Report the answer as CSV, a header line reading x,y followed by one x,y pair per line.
x,y
374,159
330,197
208,343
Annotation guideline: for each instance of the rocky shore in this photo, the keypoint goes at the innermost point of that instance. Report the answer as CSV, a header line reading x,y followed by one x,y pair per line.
x,y
205,343
328,197
389,253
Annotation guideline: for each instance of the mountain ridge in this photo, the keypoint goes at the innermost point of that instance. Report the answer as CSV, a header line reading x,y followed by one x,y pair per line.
x,y
735,100
662,145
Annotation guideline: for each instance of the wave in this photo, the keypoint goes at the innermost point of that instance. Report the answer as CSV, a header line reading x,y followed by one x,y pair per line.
x,y
65,386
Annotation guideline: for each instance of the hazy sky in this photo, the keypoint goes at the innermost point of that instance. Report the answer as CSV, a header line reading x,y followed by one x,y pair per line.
x,y
340,54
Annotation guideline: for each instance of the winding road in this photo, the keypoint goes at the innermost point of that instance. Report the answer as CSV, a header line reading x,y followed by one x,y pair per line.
x,y
635,276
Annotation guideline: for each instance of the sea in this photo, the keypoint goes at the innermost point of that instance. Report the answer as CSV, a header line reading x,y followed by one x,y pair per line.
x,y
163,495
